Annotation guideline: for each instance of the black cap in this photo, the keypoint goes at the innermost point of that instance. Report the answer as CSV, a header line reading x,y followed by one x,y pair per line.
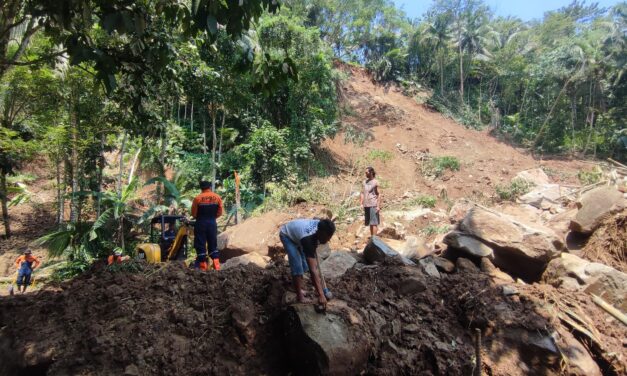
x,y
204,185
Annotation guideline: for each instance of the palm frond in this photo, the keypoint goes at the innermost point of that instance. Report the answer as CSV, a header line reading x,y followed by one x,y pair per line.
x,y
56,242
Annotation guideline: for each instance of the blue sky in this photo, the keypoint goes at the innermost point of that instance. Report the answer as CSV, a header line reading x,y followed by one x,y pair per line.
x,y
524,9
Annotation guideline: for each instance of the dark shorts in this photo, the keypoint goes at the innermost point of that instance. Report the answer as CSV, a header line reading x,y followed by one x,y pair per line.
x,y
372,217
23,278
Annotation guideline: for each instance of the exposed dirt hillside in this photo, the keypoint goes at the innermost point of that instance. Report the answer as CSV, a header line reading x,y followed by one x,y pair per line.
x,y
395,123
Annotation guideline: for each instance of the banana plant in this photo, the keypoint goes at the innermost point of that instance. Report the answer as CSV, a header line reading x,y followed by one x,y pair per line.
x,y
172,199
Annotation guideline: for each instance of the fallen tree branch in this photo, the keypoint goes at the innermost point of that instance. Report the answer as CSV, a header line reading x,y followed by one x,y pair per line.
x,y
582,189
617,163
609,309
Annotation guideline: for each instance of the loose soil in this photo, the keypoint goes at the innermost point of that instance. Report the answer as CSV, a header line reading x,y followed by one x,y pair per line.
x,y
168,319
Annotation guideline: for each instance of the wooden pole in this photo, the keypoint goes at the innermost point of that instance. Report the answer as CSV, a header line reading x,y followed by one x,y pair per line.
x,y
478,366
237,199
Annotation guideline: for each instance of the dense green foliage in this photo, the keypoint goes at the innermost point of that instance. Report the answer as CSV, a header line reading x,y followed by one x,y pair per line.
x,y
120,96
556,84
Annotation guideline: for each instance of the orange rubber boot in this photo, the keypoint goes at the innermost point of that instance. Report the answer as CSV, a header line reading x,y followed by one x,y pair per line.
x,y
203,265
216,264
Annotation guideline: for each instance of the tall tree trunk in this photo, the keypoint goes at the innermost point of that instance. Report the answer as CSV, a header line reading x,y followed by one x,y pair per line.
x,y
479,104
131,173
221,135
4,196
164,144
121,165
573,120
191,117
178,112
121,219
101,165
213,149
204,134
60,193
461,72
74,156
441,58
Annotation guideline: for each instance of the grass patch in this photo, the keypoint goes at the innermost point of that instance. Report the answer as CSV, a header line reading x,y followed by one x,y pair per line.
x,y
437,165
281,196
355,136
515,189
435,230
379,155
590,177
425,201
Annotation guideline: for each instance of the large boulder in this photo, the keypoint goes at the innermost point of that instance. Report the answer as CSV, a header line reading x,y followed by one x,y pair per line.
x,y
413,247
256,234
560,222
467,244
535,176
518,248
377,250
250,258
337,264
325,344
594,206
459,210
543,353
546,193
574,273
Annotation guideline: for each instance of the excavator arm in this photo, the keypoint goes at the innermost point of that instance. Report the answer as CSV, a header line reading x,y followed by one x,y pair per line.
x,y
178,242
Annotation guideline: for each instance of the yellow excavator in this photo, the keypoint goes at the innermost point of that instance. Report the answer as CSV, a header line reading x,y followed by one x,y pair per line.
x,y
169,237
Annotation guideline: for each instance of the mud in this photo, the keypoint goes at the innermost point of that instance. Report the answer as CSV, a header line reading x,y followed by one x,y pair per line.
x,y
171,320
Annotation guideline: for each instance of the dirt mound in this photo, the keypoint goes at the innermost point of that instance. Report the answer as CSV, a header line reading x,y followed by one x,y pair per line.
x,y
173,320
608,244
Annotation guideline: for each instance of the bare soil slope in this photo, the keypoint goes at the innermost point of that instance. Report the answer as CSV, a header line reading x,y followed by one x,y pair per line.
x,y
392,122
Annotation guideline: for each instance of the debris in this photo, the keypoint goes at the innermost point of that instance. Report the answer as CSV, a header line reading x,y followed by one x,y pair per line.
x,y
509,290
609,309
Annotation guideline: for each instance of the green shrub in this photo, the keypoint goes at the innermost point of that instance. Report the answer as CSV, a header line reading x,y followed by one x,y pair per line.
x,y
437,165
70,270
356,136
379,155
426,201
515,189
434,229
281,196
590,177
